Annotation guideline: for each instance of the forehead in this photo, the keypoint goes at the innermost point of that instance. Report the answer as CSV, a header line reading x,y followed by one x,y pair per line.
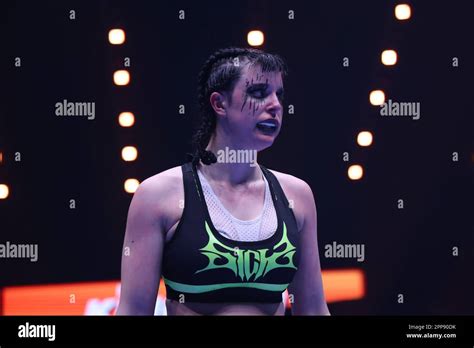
x,y
254,74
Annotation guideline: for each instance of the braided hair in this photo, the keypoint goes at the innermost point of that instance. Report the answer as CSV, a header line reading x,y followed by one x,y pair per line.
x,y
220,73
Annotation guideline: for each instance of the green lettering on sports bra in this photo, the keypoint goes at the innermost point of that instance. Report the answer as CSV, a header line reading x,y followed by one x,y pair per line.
x,y
246,263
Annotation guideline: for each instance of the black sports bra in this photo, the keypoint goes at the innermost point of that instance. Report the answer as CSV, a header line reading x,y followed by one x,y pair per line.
x,y
201,265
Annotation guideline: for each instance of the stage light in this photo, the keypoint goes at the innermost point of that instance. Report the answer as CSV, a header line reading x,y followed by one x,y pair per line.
x,y
389,57
126,119
4,191
355,172
121,77
116,36
131,185
344,284
1,157
364,138
129,153
255,38
377,97
402,12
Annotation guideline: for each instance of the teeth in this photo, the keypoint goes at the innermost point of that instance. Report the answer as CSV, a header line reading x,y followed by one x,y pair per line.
x,y
268,124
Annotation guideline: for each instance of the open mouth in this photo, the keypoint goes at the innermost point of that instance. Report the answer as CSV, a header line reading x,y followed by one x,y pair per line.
x,y
267,126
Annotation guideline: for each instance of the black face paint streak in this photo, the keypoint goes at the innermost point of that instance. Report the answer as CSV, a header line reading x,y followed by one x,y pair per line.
x,y
247,96
255,102
245,101
257,106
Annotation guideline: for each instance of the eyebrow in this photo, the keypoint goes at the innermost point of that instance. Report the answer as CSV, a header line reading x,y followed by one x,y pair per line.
x,y
263,85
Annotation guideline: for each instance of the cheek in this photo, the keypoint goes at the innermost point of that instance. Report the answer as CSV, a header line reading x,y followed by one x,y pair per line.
x,y
252,107
240,119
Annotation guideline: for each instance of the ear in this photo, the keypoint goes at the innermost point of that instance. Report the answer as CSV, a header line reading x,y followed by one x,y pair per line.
x,y
219,103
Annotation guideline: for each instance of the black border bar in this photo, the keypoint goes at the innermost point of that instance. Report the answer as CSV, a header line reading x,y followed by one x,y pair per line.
x,y
134,330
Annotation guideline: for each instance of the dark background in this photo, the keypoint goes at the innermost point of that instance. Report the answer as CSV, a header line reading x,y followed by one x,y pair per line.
x,y
408,251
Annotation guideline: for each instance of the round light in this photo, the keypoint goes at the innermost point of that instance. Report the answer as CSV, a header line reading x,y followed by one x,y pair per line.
x,y
126,119
364,138
255,38
389,57
131,185
116,36
121,77
402,12
129,153
4,191
377,97
355,172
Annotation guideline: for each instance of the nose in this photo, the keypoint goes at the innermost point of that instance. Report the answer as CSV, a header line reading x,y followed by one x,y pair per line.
x,y
274,107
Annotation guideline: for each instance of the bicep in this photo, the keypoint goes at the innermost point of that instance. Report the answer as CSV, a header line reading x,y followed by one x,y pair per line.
x,y
307,286
141,256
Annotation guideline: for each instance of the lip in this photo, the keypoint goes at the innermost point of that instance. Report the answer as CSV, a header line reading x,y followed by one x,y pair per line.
x,y
270,120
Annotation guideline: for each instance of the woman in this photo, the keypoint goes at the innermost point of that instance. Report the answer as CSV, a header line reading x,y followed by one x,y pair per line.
x,y
238,244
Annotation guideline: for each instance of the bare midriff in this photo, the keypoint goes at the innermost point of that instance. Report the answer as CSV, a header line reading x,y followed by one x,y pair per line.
x,y
195,308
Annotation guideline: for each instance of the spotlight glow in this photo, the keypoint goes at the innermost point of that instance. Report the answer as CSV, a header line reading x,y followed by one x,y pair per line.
x,y
377,97
129,153
402,12
121,77
255,38
4,191
389,57
126,119
116,36
364,138
355,172
131,185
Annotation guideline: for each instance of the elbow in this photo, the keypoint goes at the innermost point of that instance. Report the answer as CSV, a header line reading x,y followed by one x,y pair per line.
x,y
324,310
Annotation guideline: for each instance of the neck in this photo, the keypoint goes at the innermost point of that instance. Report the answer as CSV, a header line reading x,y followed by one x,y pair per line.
x,y
234,174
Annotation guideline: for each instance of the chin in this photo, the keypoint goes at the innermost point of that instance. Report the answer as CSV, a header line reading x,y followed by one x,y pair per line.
x,y
263,142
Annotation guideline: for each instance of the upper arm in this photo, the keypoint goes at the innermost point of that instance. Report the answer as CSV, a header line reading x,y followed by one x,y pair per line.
x,y
142,253
307,286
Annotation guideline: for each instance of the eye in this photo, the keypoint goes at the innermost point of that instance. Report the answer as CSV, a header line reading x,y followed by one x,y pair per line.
x,y
258,93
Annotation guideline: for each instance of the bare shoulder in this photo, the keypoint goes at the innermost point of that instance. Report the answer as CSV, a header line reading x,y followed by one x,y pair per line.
x,y
299,194
292,185
163,180
161,193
